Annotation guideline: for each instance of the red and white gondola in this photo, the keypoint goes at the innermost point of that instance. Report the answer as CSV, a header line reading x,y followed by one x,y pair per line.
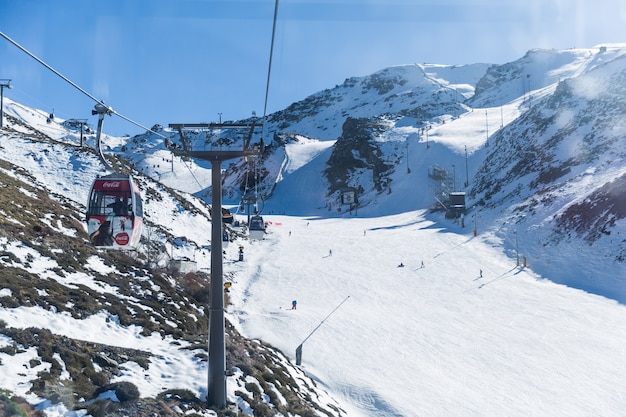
x,y
114,212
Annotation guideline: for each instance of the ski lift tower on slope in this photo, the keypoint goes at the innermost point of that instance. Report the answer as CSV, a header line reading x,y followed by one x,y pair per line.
x,y
216,394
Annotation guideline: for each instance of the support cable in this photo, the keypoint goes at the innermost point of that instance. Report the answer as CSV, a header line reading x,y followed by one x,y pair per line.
x,y
325,318
269,68
73,84
191,172
299,348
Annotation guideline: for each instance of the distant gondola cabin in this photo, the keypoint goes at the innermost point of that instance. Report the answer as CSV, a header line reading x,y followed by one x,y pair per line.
x,y
114,212
257,227
227,216
456,205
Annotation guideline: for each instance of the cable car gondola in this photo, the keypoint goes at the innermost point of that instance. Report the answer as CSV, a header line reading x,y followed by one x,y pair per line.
x,y
114,212
227,216
257,227
225,238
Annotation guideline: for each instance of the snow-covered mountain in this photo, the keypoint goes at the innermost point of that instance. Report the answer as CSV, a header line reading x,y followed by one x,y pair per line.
x,y
537,145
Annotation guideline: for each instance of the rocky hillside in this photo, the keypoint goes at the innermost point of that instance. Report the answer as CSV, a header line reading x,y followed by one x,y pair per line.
x,y
49,268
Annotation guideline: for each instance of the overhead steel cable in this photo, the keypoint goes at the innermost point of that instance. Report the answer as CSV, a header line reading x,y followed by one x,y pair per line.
x,y
269,69
192,174
73,84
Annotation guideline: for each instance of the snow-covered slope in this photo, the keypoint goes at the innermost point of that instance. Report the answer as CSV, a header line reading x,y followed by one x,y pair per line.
x,y
557,174
431,340
537,145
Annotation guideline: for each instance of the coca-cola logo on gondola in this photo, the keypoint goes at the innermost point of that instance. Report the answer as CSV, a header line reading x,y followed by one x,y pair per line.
x,y
122,239
111,184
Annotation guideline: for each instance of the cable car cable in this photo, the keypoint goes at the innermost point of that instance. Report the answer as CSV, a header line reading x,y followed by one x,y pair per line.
x,y
269,69
267,89
73,84
191,172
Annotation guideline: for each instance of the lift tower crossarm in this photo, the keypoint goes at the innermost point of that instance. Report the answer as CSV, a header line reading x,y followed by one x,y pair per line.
x,y
212,125
214,155
187,145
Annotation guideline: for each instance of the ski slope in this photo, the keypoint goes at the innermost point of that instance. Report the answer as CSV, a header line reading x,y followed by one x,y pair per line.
x,y
437,340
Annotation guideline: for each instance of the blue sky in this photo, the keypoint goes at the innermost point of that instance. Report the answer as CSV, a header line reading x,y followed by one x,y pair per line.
x,y
183,61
